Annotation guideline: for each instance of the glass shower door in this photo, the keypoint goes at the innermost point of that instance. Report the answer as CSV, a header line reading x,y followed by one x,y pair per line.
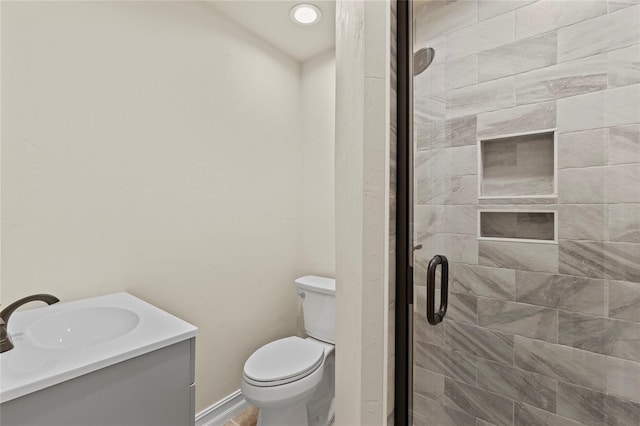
x,y
526,213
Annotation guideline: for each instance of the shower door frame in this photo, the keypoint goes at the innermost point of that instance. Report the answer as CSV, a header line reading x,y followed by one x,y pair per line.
x,y
404,213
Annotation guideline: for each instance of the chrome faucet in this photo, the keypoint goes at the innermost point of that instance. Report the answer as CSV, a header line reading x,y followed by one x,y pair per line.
x,y
5,340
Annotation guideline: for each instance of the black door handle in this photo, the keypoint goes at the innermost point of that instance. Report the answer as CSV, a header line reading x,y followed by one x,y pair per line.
x,y
433,317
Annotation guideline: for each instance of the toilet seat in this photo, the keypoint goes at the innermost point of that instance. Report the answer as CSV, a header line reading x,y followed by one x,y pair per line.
x,y
283,361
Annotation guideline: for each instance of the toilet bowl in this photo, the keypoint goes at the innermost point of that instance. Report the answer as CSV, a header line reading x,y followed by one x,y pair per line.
x,y
291,380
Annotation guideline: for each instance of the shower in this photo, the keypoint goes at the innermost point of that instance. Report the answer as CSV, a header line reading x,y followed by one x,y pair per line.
x,y
422,59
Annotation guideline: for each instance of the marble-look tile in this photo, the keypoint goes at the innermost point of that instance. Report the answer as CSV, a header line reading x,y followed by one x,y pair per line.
x,y
582,404
461,131
487,344
498,224
531,388
456,365
428,218
550,203
427,412
521,225
429,134
457,161
607,32
517,57
431,163
607,108
463,308
518,318
583,149
582,258
526,415
622,339
463,190
490,8
478,403
544,16
480,422
582,222
464,160
517,166
448,190
565,292
581,331
458,248
624,144
519,255
615,5
460,219
431,191
624,66
484,35
498,283
624,300
430,108
624,223
623,378
581,186
462,72
620,412
535,225
431,22
562,80
525,118
424,333
621,261
428,383
622,183
488,96
560,362
430,83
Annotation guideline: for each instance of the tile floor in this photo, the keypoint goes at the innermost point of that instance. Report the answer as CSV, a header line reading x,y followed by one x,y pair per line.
x,y
248,417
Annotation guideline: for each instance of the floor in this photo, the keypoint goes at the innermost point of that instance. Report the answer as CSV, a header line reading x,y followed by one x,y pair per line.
x,y
248,417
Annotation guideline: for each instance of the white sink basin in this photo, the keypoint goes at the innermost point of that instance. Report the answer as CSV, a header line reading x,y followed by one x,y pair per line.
x,y
65,340
81,327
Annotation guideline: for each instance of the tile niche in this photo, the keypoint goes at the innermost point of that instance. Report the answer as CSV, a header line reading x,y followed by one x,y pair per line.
x,y
518,166
531,226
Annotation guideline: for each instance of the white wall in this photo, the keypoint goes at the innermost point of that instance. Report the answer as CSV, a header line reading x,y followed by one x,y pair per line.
x,y
318,151
155,148
362,210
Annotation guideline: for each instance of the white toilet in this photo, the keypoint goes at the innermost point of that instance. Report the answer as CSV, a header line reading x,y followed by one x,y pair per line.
x,y
291,380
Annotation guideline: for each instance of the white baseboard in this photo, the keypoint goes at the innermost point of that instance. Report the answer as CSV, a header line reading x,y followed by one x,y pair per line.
x,y
222,411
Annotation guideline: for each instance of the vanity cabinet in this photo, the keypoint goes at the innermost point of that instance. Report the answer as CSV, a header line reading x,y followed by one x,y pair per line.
x,y
154,389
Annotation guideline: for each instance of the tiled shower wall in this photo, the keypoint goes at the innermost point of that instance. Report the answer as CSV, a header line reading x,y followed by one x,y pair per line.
x,y
393,148
536,333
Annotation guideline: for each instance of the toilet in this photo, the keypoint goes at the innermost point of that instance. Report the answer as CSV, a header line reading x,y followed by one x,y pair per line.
x,y
291,380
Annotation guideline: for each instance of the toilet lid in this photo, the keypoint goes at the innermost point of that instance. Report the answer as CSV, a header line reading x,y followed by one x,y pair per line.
x,y
283,359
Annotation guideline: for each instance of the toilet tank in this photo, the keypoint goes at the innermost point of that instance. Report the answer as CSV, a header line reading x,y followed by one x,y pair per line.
x,y
318,306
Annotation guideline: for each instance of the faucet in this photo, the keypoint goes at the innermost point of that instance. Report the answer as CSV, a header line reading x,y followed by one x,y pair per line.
x,y
5,340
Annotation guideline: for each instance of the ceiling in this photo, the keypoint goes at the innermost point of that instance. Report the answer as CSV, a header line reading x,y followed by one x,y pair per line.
x,y
269,20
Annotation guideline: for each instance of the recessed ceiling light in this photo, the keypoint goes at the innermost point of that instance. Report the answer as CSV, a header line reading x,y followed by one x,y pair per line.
x,y
305,14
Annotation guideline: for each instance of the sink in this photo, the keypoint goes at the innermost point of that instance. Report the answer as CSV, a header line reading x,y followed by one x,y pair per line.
x,y
66,340
81,327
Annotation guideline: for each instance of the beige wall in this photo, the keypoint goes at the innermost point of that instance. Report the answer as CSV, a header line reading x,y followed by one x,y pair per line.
x,y
318,150
154,148
362,211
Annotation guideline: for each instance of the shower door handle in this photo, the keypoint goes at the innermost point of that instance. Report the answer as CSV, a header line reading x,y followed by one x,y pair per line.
x,y
432,316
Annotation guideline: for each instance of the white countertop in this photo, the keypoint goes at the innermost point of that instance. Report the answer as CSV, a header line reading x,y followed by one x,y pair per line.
x,y
28,368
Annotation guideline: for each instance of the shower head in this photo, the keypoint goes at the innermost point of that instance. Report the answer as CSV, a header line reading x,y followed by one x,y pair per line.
x,y
422,59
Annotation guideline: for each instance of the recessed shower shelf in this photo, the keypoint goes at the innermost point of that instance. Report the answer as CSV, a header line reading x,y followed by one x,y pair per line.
x,y
518,166
532,226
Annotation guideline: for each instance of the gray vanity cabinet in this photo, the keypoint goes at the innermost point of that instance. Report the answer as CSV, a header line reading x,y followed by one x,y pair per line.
x,y
154,389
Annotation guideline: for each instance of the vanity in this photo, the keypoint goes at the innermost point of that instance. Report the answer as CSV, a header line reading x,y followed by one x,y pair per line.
x,y
113,360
